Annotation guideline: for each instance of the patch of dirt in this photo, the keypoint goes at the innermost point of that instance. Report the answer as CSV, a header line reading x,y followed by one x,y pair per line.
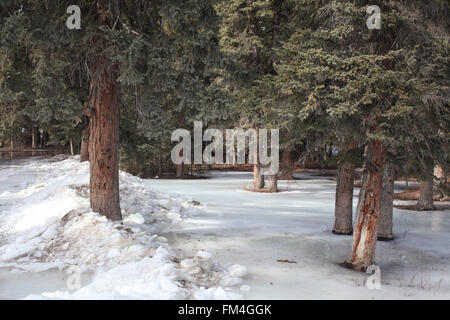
x,y
232,167
415,207
286,261
185,177
326,173
264,190
294,179
413,194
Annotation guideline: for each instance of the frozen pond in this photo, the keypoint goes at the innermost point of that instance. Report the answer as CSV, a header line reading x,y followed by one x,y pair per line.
x,y
257,229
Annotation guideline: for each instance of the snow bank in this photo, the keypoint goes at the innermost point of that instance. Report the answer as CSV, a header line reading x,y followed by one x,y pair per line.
x,y
48,224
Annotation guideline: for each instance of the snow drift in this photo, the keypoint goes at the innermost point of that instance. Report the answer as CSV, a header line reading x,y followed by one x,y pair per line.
x,y
48,224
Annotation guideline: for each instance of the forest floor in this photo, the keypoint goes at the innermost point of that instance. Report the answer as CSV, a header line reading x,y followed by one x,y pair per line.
x,y
234,244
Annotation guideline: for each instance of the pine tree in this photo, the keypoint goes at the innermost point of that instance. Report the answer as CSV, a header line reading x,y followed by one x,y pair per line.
x,y
345,83
250,34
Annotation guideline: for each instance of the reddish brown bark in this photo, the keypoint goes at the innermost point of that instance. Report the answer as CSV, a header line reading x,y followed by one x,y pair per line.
x,y
258,178
180,170
365,231
426,190
272,183
343,209
426,195
34,136
104,130
287,165
84,150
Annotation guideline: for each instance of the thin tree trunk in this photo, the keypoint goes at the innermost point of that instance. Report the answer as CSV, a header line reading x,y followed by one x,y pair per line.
x,y
84,152
387,204
288,165
330,151
160,166
272,184
365,231
258,178
43,140
343,209
426,195
72,148
104,130
34,136
180,170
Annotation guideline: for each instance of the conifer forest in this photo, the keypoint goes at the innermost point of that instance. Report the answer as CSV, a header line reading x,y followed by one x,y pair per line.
x,y
224,150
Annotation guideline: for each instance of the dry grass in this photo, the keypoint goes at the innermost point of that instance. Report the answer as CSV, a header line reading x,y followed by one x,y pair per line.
x,y
264,190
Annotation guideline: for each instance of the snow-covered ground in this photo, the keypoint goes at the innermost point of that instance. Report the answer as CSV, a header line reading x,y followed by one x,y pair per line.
x,y
228,247
53,246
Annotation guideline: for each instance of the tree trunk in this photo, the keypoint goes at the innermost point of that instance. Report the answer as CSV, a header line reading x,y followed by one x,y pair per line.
x,y
426,195
180,170
272,184
160,165
365,232
104,130
387,204
84,150
440,174
72,148
442,186
330,151
34,136
43,140
287,165
343,209
258,178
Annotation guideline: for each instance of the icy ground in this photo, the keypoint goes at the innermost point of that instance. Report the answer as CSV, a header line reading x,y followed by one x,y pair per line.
x,y
257,229
53,247
228,247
